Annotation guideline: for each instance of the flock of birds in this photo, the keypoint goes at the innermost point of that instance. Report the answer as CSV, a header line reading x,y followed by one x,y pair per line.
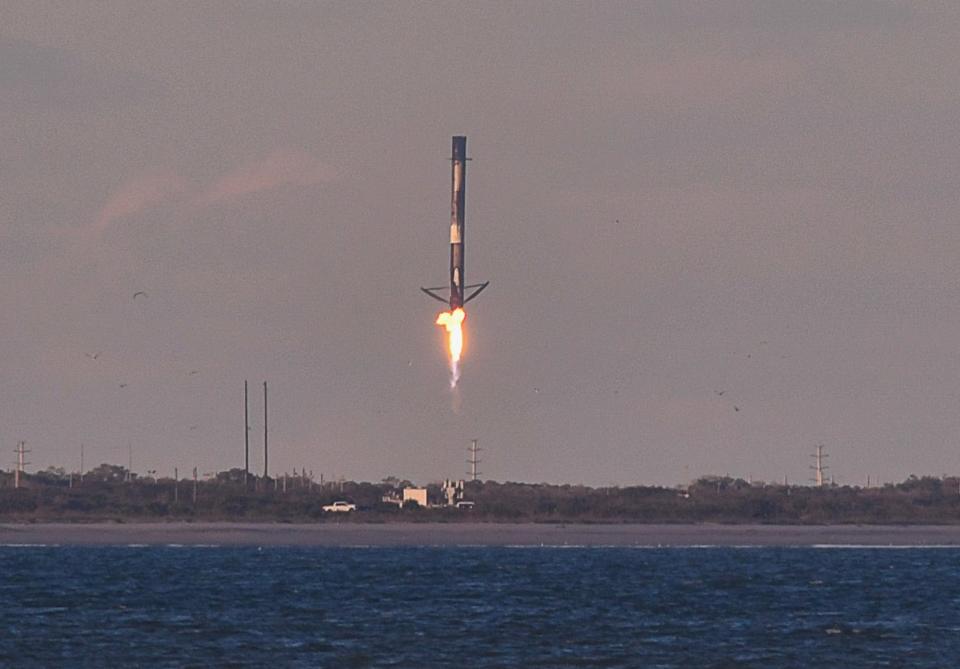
x,y
96,355
721,393
717,392
193,372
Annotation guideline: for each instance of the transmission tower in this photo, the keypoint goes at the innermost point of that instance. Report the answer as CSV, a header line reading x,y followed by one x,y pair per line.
x,y
818,467
18,472
246,436
265,449
473,450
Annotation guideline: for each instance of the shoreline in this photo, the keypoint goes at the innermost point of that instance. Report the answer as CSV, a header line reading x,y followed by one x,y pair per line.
x,y
473,534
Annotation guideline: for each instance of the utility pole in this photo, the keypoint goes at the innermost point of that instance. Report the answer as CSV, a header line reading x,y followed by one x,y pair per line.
x,y
265,433
81,463
176,485
18,472
819,468
246,436
194,486
474,460
129,461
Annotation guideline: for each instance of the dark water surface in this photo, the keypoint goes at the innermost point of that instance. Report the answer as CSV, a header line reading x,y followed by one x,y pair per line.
x,y
479,607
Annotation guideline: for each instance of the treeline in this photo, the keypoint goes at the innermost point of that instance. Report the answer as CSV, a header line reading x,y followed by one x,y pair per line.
x,y
110,493
725,500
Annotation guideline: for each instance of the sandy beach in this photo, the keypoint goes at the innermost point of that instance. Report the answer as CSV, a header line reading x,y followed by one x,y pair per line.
x,y
475,534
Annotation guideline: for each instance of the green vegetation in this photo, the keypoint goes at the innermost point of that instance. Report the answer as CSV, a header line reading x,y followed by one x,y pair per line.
x,y
110,493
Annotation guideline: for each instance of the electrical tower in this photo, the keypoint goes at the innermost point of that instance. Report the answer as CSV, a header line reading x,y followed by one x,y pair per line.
x,y
473,450
819,468
246,436
265,449
18,472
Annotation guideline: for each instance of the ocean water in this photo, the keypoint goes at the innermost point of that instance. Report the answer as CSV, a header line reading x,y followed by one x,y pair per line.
x,y
172,606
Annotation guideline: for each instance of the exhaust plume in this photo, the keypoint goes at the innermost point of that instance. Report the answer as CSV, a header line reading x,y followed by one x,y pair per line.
x,y
453,322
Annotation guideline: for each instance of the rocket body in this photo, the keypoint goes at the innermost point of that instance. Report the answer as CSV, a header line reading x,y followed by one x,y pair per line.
x,y
458,190
460,292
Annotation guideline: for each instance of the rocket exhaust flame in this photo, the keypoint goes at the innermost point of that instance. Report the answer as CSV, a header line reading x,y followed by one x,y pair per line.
x,y
453,322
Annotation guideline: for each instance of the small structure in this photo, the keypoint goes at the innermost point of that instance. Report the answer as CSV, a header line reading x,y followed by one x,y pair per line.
x,y
418,495
392,497
452,492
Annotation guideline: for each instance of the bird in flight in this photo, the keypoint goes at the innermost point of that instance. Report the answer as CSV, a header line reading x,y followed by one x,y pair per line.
x,y
93,356
193,371
720,392
138,293
736,408
123,385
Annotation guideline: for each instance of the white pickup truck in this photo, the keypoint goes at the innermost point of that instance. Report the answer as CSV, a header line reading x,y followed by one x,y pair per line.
x,y
340,506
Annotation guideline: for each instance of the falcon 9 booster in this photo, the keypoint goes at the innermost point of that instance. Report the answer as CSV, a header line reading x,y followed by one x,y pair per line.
x,y
458,190
458,198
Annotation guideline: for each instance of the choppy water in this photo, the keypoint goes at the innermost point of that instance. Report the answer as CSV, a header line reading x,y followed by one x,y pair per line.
x,y
479,607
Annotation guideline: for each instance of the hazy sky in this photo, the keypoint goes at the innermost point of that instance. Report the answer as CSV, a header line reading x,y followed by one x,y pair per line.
x,y
670,199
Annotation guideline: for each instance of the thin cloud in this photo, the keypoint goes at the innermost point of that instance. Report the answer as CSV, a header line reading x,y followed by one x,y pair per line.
x,y
279,168
138,194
